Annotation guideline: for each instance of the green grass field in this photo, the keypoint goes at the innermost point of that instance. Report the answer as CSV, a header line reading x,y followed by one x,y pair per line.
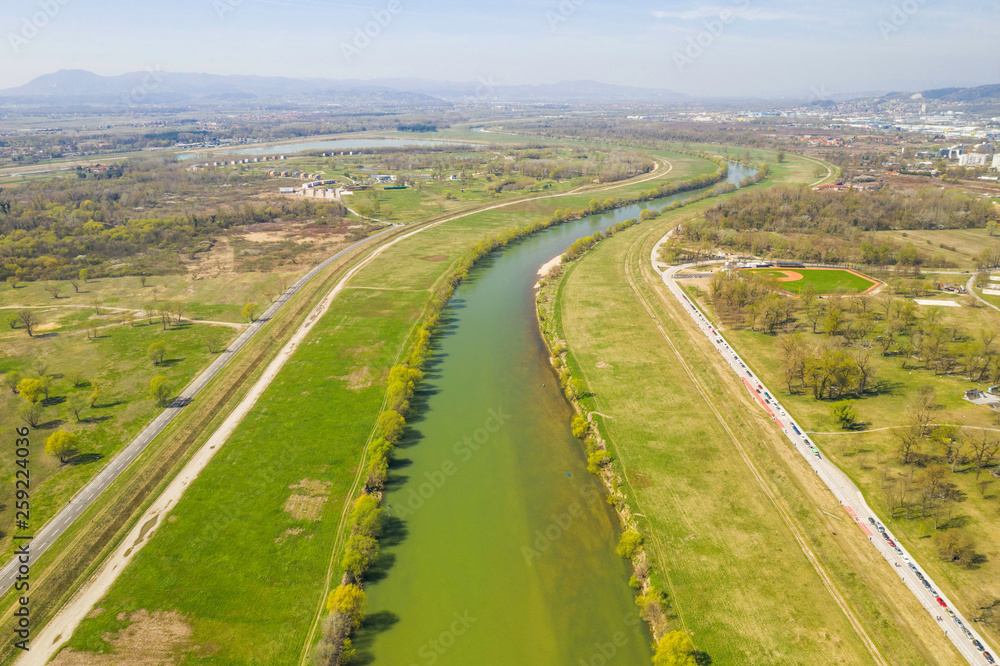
x,y
824,281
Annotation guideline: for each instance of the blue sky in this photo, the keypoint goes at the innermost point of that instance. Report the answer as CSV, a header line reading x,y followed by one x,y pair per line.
x,y
728,47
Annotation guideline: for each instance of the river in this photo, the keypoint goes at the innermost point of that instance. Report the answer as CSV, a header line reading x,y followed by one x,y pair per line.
x,y
500,546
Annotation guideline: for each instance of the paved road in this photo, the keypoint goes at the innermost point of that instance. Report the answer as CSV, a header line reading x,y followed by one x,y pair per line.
x,y
44,537
954,624
970,287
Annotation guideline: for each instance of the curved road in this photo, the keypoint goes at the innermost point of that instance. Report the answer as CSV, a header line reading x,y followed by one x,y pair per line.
x,y
53,529
951,621
970,287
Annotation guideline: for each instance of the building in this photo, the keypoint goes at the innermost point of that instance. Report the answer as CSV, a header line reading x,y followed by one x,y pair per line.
x,y
384,178
996,161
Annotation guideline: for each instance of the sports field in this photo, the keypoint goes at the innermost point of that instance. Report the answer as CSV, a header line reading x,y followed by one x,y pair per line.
x,y
824,280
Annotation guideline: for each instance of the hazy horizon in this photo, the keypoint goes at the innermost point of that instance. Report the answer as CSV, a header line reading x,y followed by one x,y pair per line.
x,y
738,48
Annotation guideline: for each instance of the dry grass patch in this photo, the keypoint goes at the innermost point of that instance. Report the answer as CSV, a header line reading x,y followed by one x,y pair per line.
x,y
150,639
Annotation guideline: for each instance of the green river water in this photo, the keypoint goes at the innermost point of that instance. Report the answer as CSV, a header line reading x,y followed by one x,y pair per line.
x,y
500,546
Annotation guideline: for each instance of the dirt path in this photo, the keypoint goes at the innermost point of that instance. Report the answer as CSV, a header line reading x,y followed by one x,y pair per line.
x,y
62,626
139,314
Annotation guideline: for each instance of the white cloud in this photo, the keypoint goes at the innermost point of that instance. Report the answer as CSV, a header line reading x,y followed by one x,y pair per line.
x,y
745,14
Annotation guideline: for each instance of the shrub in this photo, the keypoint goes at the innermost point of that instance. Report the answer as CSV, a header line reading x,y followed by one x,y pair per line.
x,y
367,517
390,426
629,544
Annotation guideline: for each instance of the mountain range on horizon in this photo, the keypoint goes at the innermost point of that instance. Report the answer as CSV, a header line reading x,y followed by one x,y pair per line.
x,y
159,88
171,88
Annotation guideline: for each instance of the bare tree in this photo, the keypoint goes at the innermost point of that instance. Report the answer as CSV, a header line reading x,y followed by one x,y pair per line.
x,y
984,450
29,320
54,289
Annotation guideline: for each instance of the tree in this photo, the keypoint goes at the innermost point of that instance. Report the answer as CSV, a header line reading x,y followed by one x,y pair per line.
x,y
76,378
30,389
28,319
156,351
11,380
95,394
579,426
628,544
358,554
77,404
984,450
164,312
84,275
845,414
675,649
31,413
143,280
159,390
390,425
250,311
781,157
348,600
75,284
956,546
13,281
367,517
54,289
62,445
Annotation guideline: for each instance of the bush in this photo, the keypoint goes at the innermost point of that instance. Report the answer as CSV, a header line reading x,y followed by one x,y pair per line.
x,y
629,544
675,649
348,600
390,426
367,517
596,460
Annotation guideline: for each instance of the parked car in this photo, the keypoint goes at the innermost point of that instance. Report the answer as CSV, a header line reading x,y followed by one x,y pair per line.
x,y
979,646
941,602
989,657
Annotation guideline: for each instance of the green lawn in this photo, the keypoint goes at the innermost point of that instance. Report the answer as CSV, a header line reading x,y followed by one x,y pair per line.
x,y
825,281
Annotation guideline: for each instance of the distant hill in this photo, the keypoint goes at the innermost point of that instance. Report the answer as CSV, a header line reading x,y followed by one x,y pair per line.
x,y
978,94
76,87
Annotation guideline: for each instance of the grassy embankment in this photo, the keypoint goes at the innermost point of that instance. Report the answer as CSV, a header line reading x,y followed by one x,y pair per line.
x,y
209,569
712,525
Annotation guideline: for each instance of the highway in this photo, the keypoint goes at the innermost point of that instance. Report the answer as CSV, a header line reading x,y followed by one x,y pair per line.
x,y
950,620
53,529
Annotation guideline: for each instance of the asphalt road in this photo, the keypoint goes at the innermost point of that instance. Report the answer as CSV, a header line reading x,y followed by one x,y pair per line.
x,y
53,529
970,287
954,624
